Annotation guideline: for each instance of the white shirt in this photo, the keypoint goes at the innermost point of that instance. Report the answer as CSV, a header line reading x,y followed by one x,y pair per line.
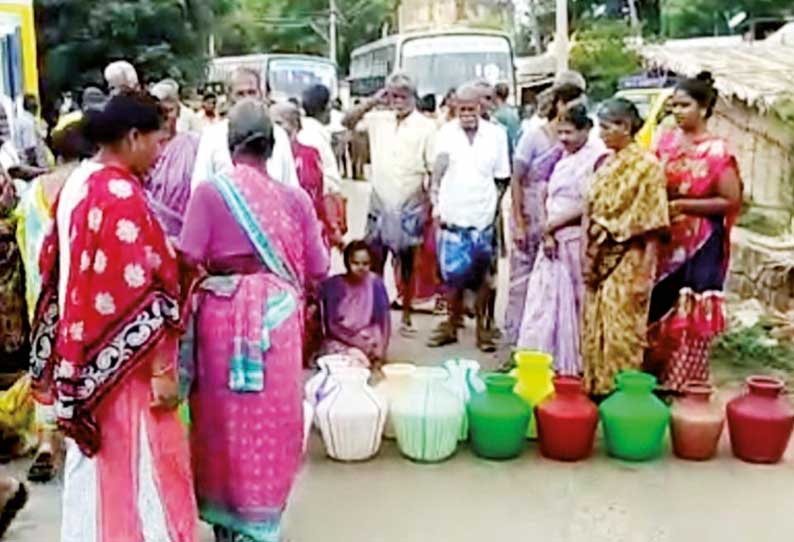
x,y
467,195
214,157
188,120
317,135
9,157
336,125
401,154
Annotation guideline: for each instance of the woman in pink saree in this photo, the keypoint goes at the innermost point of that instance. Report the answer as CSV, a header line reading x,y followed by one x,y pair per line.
x,y
355,308
261,243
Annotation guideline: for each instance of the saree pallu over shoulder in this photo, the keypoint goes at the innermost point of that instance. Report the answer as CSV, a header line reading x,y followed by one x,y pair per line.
x,y
123,298
692,171
626,202
627,195
247,435
232,191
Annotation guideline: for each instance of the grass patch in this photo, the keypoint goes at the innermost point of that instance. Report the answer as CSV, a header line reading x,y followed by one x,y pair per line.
x,y
758,221
752,349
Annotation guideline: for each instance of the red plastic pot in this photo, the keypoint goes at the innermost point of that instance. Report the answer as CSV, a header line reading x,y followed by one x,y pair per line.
x,y
697,422
567,421
760,421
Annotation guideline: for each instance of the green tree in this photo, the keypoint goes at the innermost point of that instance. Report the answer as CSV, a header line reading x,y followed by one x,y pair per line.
x,y
301,26
162,38
601,55
690,18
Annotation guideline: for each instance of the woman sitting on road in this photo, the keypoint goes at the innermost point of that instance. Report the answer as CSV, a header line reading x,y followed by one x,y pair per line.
x,y
356,309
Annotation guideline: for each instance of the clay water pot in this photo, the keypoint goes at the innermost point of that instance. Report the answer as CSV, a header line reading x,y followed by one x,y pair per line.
x,y
697,421
760,421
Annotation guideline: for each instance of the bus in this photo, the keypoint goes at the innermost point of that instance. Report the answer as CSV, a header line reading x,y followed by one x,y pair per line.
x,y
437,61
18,62
284,75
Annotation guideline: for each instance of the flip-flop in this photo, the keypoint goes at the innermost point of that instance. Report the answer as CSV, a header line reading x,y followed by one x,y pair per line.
x,y
407,330
12,508
42,470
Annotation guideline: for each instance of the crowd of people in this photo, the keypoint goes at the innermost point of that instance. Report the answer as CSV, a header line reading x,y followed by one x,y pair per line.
x,y
179,257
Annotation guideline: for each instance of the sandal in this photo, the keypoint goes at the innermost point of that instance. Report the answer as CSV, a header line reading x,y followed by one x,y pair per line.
x,y
443,336
12,508
43,468
407,330
485,343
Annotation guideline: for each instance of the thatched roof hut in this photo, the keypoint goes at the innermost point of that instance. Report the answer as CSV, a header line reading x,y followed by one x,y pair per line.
x,y
755,112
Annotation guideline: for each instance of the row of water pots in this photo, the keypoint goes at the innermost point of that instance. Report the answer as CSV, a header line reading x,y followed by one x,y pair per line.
x,y
430,409
760,420
422,407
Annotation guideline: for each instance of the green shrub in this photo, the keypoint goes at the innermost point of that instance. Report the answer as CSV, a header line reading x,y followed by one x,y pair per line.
x,y
601,55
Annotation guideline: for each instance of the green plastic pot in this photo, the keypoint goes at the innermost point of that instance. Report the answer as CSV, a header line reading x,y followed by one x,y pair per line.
x,y
498,419
635,420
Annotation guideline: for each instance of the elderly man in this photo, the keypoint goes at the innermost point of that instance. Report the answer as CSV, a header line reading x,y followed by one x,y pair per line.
x,y
213,153
472,157
401,146
330,206
167,91
120,76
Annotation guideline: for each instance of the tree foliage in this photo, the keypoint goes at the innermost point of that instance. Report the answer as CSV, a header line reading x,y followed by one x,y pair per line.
x,y
162,38
689,18
301,26
601,55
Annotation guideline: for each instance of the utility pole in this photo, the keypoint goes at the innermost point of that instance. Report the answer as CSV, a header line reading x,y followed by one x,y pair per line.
x,y
635,18
332,31
562,35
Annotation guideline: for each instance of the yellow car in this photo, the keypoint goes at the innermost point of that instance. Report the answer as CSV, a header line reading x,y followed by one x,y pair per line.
x,y
651,103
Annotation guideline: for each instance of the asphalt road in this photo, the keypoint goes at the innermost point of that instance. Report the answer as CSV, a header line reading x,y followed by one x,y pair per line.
x,y
465,499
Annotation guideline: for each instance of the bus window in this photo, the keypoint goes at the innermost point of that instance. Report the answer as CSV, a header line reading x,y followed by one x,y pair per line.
x,y
289,77
438,63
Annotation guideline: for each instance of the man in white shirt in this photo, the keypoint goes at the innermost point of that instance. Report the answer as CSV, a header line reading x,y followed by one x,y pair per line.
x,y
471,158
401,148
213,155
316,133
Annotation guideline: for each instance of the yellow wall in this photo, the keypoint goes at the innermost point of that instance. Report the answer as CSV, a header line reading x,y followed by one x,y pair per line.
x,y
24,8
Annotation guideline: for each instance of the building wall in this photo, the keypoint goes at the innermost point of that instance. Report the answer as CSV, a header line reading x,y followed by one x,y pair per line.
x,y
423,14
764,147
761,266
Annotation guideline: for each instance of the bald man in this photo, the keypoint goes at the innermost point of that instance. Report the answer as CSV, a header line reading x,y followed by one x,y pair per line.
x,y
471,157
213,154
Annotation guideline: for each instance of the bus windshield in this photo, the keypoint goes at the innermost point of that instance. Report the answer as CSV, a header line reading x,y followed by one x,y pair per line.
x,y
439,63
289,77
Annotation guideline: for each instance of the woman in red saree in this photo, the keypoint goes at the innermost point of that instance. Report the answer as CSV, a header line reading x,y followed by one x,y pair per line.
x,y
704,189
105,342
